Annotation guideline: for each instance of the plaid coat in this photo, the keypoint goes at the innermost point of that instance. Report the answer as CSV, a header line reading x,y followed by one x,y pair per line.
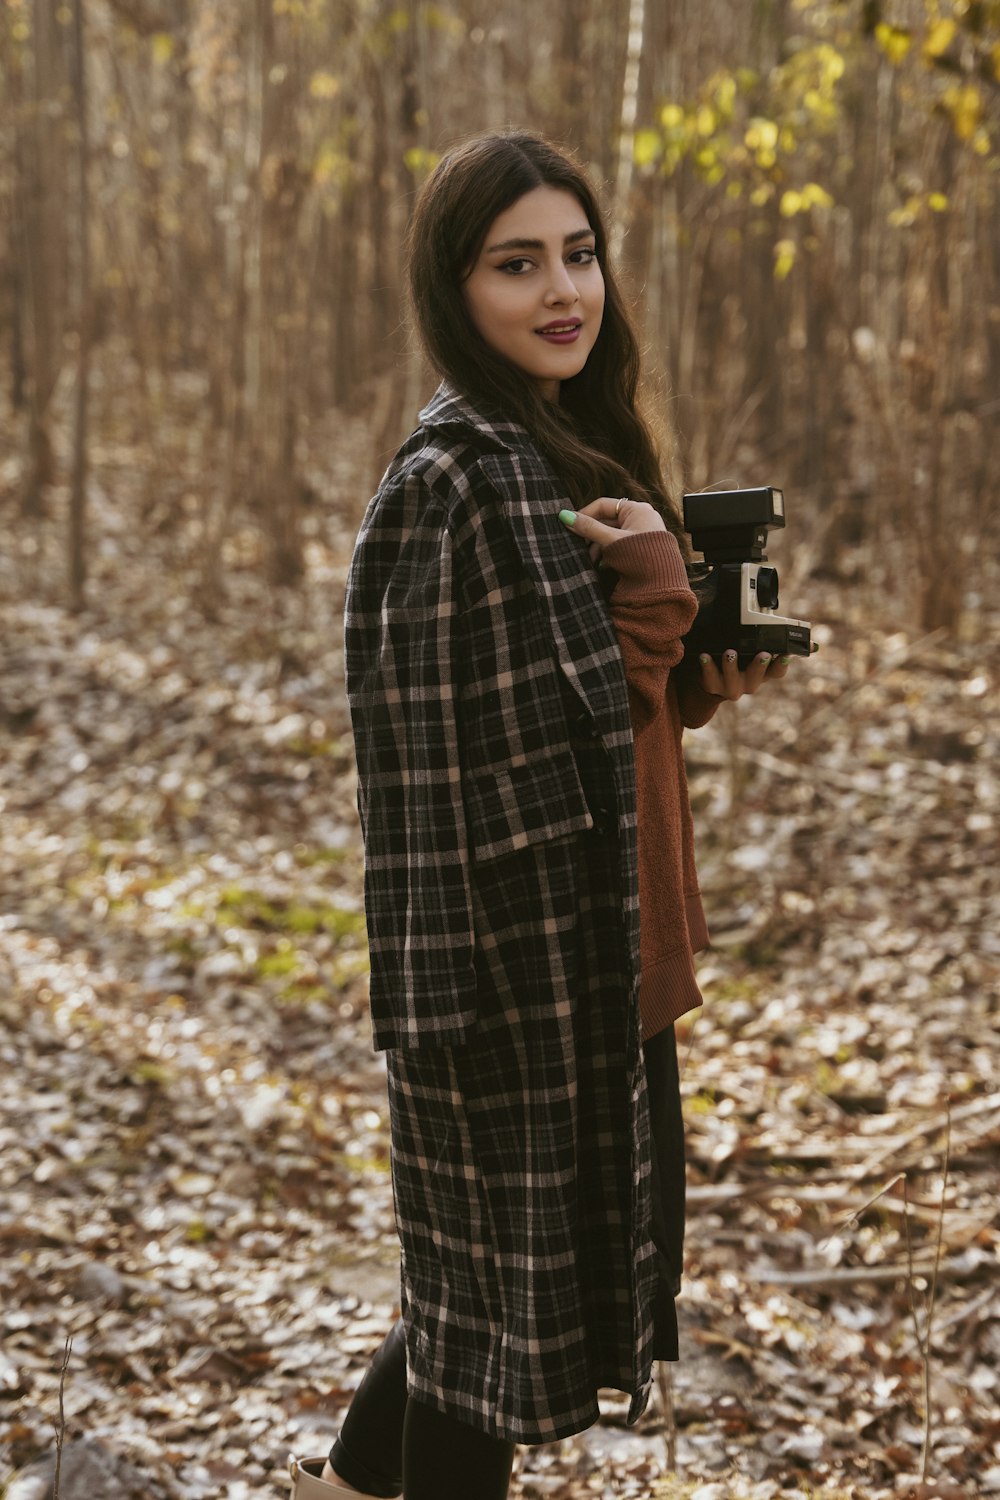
x,y
497,799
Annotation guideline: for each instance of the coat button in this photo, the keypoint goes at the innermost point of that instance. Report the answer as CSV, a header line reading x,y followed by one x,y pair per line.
x,y
604,821
585,727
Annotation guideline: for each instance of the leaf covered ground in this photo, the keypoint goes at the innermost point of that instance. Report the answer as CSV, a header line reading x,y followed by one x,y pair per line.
x,y
194,1178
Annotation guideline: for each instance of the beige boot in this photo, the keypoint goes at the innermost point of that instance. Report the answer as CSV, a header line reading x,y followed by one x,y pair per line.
x,y
307,1485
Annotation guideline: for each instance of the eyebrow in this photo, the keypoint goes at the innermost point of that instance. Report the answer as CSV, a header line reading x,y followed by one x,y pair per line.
x,y
570,239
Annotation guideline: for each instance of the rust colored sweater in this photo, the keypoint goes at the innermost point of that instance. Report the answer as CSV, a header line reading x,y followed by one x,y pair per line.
x,y
652,606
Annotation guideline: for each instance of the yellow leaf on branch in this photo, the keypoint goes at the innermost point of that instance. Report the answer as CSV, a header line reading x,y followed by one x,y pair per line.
x,y
784,258
894,41
965,107
725,96
323,85
646,147
939,38
814,196
761,135
420,161
163,47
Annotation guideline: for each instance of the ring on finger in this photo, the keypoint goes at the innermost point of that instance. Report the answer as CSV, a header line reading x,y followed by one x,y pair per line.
x,y
618,510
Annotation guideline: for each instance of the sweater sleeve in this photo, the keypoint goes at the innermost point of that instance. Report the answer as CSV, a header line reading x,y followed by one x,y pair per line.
x,y
652,606
696,706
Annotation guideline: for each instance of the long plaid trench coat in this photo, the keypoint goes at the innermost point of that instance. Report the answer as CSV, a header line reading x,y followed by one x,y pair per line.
x,y
497,798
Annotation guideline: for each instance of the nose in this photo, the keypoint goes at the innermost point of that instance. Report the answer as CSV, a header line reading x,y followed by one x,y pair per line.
x,y
562,290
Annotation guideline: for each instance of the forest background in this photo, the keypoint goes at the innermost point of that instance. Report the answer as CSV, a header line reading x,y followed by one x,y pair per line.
x,y
204,366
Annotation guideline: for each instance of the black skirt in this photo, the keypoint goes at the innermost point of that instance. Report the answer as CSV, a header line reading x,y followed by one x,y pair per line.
x,y
666,1123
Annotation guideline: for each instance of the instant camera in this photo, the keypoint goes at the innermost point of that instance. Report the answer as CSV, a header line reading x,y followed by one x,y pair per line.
x,y
738,591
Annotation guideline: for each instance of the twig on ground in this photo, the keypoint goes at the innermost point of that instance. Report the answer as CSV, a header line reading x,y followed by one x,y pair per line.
x,y
924,1339
851,1218
986,1104
956,1269
60,1426
966,1312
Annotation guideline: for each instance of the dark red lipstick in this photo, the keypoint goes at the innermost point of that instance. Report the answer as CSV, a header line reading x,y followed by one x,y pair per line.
x,y
561,330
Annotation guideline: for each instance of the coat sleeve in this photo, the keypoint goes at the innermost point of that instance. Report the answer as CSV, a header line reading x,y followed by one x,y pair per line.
x,y
400,668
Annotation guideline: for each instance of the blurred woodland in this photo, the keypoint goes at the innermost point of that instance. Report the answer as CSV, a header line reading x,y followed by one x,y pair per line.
x,y
203,206
204,366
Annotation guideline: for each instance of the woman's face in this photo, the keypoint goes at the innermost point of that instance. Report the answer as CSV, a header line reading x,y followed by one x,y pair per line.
x,y
536,292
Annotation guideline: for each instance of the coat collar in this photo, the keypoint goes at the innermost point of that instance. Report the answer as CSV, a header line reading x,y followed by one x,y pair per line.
x,y
451,414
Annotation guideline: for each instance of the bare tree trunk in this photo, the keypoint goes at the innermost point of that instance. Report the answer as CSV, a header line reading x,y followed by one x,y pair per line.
x,y
280,188
41,242
570,71
597,119
84,309
396,136
383,309
343,328
13,189
626,136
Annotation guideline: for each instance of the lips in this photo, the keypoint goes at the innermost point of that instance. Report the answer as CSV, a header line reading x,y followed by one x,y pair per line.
x,y
565,331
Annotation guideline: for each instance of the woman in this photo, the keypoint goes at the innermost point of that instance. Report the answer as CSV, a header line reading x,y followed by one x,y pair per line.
x,y
516,678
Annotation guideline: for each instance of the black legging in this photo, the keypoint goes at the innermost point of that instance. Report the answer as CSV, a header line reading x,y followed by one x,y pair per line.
x,y
391,1444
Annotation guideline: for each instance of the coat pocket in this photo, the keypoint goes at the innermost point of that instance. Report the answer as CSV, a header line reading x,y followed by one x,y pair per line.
x,y
525,804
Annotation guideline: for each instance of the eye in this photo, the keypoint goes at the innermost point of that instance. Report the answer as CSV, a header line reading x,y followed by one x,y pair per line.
x,y
516,266
585,256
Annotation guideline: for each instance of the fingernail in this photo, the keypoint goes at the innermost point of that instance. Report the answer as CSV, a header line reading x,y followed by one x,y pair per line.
x,y
763,658
729,656
783,661
814,647
568,517
704,658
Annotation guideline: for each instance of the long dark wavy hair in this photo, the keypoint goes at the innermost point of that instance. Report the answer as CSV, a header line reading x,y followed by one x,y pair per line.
x,y
594,436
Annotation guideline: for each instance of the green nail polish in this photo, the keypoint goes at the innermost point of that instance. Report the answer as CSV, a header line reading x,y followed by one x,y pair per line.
x,y
783,661
568,517
704,658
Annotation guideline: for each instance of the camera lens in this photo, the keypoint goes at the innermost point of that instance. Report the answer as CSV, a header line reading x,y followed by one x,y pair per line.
x,y
767,588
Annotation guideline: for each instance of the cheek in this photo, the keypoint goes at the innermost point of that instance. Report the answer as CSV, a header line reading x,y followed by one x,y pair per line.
x,y
498,313
472,307
485,309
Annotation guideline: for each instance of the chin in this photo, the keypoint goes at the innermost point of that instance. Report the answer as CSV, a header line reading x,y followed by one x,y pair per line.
x,y
563,370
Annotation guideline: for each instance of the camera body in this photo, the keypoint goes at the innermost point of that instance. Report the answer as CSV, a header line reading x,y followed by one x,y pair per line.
x,y
738,595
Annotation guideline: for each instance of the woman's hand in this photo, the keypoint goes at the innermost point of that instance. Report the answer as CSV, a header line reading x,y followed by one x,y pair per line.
x,y
732,683
605,521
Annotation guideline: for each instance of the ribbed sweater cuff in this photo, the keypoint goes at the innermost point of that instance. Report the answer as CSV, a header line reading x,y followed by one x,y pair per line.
x,y
647,563
668,989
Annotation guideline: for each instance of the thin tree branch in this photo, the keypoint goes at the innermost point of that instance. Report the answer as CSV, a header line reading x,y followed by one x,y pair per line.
x,y
61,1425
931,1296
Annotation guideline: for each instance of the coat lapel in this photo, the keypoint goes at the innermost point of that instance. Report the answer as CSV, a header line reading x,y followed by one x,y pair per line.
x,y
565,580
529,494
